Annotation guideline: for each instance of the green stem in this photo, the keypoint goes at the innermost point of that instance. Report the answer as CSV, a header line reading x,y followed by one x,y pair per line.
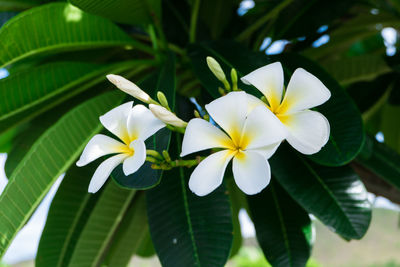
x,y
193,21
260,22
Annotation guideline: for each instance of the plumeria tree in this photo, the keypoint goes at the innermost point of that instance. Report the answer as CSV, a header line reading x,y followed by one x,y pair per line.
x,y
169,117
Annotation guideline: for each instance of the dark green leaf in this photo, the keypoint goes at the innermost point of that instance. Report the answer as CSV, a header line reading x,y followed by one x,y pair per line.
x,y
188,230
283,228
49,157
123,11
335,195
70,29
353,69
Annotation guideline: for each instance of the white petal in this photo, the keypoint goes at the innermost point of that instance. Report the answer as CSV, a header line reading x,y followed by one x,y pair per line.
x,y
229,112
116,119
103,172
262,128
98,146
128,87
142,123
201,135
209,173
269,80
133,163
166,116
253,102
304,91
251,172
308,131
267,151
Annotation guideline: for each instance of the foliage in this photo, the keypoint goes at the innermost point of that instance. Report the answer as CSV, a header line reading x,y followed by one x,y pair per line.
x,y
58,54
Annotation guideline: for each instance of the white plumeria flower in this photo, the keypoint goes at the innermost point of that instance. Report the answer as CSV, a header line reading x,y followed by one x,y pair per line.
x,y
250,139
308,130
132,126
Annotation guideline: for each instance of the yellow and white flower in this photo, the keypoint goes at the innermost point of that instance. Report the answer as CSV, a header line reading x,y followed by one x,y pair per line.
x,y
308,130
248,139
132,126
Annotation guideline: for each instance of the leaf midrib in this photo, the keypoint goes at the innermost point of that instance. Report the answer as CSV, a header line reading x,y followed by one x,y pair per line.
x,y
330,193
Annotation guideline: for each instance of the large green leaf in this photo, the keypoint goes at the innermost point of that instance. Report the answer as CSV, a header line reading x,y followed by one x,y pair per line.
x,y
31,92
283,228
147,177
188,230
58,27
69,212
333,194
123,11
347,135
345,120
49,157
131,233
100,227
360,68
381,160
81,228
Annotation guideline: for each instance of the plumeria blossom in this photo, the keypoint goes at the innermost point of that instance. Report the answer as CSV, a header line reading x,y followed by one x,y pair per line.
x,y
132,126
308,130
247,138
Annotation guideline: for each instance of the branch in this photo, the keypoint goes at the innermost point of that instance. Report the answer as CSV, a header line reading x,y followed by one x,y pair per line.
x,y
375,184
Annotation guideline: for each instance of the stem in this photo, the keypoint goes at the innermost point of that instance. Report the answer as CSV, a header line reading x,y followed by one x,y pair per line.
x,y
260,22
193,21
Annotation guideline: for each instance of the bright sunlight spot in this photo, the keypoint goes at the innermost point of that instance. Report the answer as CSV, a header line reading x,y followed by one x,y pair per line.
x,y
390,38
72,14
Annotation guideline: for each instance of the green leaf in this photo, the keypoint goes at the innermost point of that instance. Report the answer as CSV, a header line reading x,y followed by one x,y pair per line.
x,y
335,195
347,135
68,213
146,248
238,202
345,120
132,232
381,160
6,139
147,177
283,228
29,88
49,157
100,227
359,68
123,11
26,94
18,5
188,230
70,29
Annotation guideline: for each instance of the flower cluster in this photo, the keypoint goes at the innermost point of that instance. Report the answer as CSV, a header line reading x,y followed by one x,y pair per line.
x,y
239,127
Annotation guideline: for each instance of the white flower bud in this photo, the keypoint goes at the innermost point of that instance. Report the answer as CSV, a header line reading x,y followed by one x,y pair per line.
x,y
129,88
214,66
167,116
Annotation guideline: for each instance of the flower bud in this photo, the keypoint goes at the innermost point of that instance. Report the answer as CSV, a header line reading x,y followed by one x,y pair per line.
x,y
162,99
129,88
216,69
167,116
234,79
